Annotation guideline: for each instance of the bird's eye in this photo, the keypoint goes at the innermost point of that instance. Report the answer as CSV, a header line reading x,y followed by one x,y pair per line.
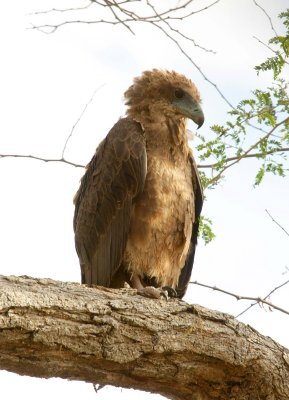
x,y
179,93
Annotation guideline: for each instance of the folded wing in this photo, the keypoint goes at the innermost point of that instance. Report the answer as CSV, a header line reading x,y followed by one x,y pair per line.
x,y
104,201
187,269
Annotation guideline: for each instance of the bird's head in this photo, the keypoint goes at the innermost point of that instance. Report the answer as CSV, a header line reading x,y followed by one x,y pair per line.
x,y
165,93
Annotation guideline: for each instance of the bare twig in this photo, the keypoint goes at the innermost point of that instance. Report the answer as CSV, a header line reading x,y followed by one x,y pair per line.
x,y
170,28
266,297
270,48
267,15
193,12
277,223
58,10
51,28
195,64
121,21
62,160
182,49
79,118
264,44
161,20
238,297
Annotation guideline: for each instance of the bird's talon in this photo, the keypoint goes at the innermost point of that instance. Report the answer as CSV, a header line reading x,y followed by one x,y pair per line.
x,y
170,291
164,293
153,293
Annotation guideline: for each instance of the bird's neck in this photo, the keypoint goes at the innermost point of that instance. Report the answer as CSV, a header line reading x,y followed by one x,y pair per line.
x,y
166,136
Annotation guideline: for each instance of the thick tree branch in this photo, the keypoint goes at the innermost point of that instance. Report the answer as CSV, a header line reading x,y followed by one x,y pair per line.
x,y
106,336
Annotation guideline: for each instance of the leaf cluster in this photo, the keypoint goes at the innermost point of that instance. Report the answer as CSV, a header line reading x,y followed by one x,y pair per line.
x,y
257,128
205,230
277,62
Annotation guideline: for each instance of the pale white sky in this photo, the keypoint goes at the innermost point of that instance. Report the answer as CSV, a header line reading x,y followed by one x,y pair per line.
x,y
45,82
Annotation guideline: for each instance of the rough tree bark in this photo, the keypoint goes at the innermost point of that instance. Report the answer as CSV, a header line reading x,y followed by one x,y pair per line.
x,y
105,336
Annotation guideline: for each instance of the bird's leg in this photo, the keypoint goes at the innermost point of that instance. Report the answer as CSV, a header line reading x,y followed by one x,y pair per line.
x,y
148,291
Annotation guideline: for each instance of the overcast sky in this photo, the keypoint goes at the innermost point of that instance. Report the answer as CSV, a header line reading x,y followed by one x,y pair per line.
x,y
46,80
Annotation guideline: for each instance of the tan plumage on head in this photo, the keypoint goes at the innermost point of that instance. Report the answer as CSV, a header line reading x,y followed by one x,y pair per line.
x,y
156,90
138,206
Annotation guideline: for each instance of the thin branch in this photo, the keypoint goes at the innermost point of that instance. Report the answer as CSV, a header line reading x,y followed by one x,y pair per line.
x,y
270,48
264,44
167,13
238,297
252,155
123,22
183,51
50,28
127,17
266,297
191,40
194,64
62,160
79,118
58,10
267,15
193,12
165,21
277,223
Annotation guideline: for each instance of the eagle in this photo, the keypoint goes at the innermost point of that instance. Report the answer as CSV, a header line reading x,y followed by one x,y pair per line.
x,y
138,206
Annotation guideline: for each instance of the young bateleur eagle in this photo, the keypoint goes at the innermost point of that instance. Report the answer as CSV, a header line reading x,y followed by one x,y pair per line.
x,y
138,206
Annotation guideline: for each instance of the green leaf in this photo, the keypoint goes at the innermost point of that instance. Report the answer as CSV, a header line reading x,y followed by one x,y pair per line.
x,y
205,230
259,177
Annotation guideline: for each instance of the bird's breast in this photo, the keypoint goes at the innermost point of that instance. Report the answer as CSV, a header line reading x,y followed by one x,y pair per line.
x,y
161,223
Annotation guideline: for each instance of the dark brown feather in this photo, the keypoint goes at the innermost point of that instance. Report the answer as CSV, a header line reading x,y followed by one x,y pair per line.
x,y
199,198
104,201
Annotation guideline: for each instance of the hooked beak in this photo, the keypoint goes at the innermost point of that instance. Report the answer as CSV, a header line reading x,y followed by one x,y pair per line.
x,y
197,114
191,109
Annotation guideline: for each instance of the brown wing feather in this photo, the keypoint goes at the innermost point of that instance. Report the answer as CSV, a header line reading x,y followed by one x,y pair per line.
x,y
187,269
103,203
